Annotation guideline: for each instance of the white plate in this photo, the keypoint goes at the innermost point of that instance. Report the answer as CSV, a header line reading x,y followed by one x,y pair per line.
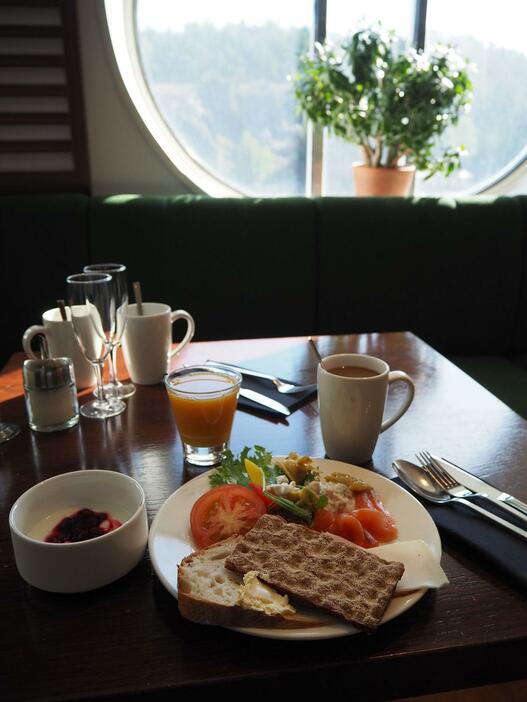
x,y
170,541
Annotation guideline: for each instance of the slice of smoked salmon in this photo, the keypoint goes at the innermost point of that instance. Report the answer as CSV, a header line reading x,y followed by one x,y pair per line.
x,y
345,525
367,499
379,524
369,540
350,528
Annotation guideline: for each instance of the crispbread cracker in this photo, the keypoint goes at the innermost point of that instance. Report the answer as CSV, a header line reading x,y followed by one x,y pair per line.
x,y
318,568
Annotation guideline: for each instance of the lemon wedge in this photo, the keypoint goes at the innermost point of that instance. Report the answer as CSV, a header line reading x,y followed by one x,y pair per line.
x,y
255,473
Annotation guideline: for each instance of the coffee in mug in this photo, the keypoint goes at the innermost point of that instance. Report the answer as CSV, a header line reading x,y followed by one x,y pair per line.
x,y
147,341
352,392
353,372
62,343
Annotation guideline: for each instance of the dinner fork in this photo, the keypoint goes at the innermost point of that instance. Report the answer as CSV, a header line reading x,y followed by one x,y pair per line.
x,y
281,385
447,481
436,471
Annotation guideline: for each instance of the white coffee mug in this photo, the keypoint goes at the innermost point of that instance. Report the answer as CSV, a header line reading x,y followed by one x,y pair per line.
x,y
147,341
62,342
351,408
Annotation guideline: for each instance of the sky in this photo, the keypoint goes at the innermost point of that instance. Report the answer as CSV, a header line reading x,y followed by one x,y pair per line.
x,y
501,22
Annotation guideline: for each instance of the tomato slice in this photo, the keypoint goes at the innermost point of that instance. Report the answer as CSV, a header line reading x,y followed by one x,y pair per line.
x,y
224,511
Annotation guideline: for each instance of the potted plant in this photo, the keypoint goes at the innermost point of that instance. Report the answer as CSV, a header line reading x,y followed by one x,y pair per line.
x,y
394,104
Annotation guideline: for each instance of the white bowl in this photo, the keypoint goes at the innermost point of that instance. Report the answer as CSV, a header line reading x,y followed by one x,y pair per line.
x,y
84,565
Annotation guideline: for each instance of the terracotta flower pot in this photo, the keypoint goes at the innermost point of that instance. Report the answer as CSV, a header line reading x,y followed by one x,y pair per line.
x,y
383,182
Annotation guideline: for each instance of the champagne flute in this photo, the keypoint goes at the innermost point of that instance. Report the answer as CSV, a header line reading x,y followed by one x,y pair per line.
x,y
91,298
118,273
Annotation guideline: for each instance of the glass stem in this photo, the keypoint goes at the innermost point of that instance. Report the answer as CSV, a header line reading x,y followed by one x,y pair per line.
x,y
112,366
101,395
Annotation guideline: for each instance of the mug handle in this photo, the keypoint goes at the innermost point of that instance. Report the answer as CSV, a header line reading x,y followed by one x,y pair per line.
x,y
394,377
28,337
182,314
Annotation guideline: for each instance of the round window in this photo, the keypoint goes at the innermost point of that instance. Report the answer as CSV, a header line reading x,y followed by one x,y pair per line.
x,y
219,76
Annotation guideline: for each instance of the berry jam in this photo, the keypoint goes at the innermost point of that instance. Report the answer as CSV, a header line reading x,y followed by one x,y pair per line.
x,y
81,526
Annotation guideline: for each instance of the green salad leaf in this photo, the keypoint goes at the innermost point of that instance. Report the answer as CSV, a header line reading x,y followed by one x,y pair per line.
x,y
322,502
232,471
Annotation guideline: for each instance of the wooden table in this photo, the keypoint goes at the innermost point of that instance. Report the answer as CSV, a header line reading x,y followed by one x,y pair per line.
x,y
129,638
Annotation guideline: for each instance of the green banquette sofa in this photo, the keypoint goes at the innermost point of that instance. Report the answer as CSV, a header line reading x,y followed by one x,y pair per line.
x,y
453,271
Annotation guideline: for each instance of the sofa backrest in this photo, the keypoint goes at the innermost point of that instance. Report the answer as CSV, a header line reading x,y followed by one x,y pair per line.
x,y
452,271
449,270
242,268
42,240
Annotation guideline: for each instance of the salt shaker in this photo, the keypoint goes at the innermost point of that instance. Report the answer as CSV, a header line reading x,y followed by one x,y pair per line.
x,y
51,394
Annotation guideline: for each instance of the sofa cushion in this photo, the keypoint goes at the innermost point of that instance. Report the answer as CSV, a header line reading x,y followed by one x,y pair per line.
x,y
504,377
43,239
448,270
241,267
520,336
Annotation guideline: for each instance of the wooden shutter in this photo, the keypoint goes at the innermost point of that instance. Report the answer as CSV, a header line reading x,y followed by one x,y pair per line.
x,y
43,145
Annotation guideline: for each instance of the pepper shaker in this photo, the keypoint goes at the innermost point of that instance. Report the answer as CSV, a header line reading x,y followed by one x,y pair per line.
x,y
51,394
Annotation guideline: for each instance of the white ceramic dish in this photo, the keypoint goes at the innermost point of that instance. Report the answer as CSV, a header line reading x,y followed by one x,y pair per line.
x,y
85,565
170,541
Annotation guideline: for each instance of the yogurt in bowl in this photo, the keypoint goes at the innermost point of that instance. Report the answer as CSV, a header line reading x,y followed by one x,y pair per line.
x,y
90,553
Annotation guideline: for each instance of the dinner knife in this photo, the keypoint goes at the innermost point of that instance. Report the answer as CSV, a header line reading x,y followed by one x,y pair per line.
x,y
466,479
239,369
265,401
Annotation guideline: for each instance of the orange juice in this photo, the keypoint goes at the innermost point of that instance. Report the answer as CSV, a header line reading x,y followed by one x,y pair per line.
x,y
203,403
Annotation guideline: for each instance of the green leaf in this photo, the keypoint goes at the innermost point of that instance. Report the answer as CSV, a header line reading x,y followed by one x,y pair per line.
x,y
322,502
232,471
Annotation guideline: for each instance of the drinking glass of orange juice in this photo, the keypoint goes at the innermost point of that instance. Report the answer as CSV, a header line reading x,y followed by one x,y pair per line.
x,y
203,400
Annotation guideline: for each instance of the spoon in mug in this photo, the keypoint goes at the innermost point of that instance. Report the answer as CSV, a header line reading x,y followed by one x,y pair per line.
x,y
138,297
61,304
424,485
310,339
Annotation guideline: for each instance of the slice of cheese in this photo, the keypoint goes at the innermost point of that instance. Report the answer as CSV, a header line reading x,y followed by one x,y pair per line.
x,y
421,567
253,594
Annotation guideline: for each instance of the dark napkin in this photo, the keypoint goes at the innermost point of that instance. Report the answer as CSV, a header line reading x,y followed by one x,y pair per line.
x,y
266,387
485,540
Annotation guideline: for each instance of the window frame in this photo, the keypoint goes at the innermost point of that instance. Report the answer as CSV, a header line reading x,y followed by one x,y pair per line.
x,y
118,18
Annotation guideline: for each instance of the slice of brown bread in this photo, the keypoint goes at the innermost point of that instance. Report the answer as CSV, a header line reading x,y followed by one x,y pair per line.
x,y
318,568
208,593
